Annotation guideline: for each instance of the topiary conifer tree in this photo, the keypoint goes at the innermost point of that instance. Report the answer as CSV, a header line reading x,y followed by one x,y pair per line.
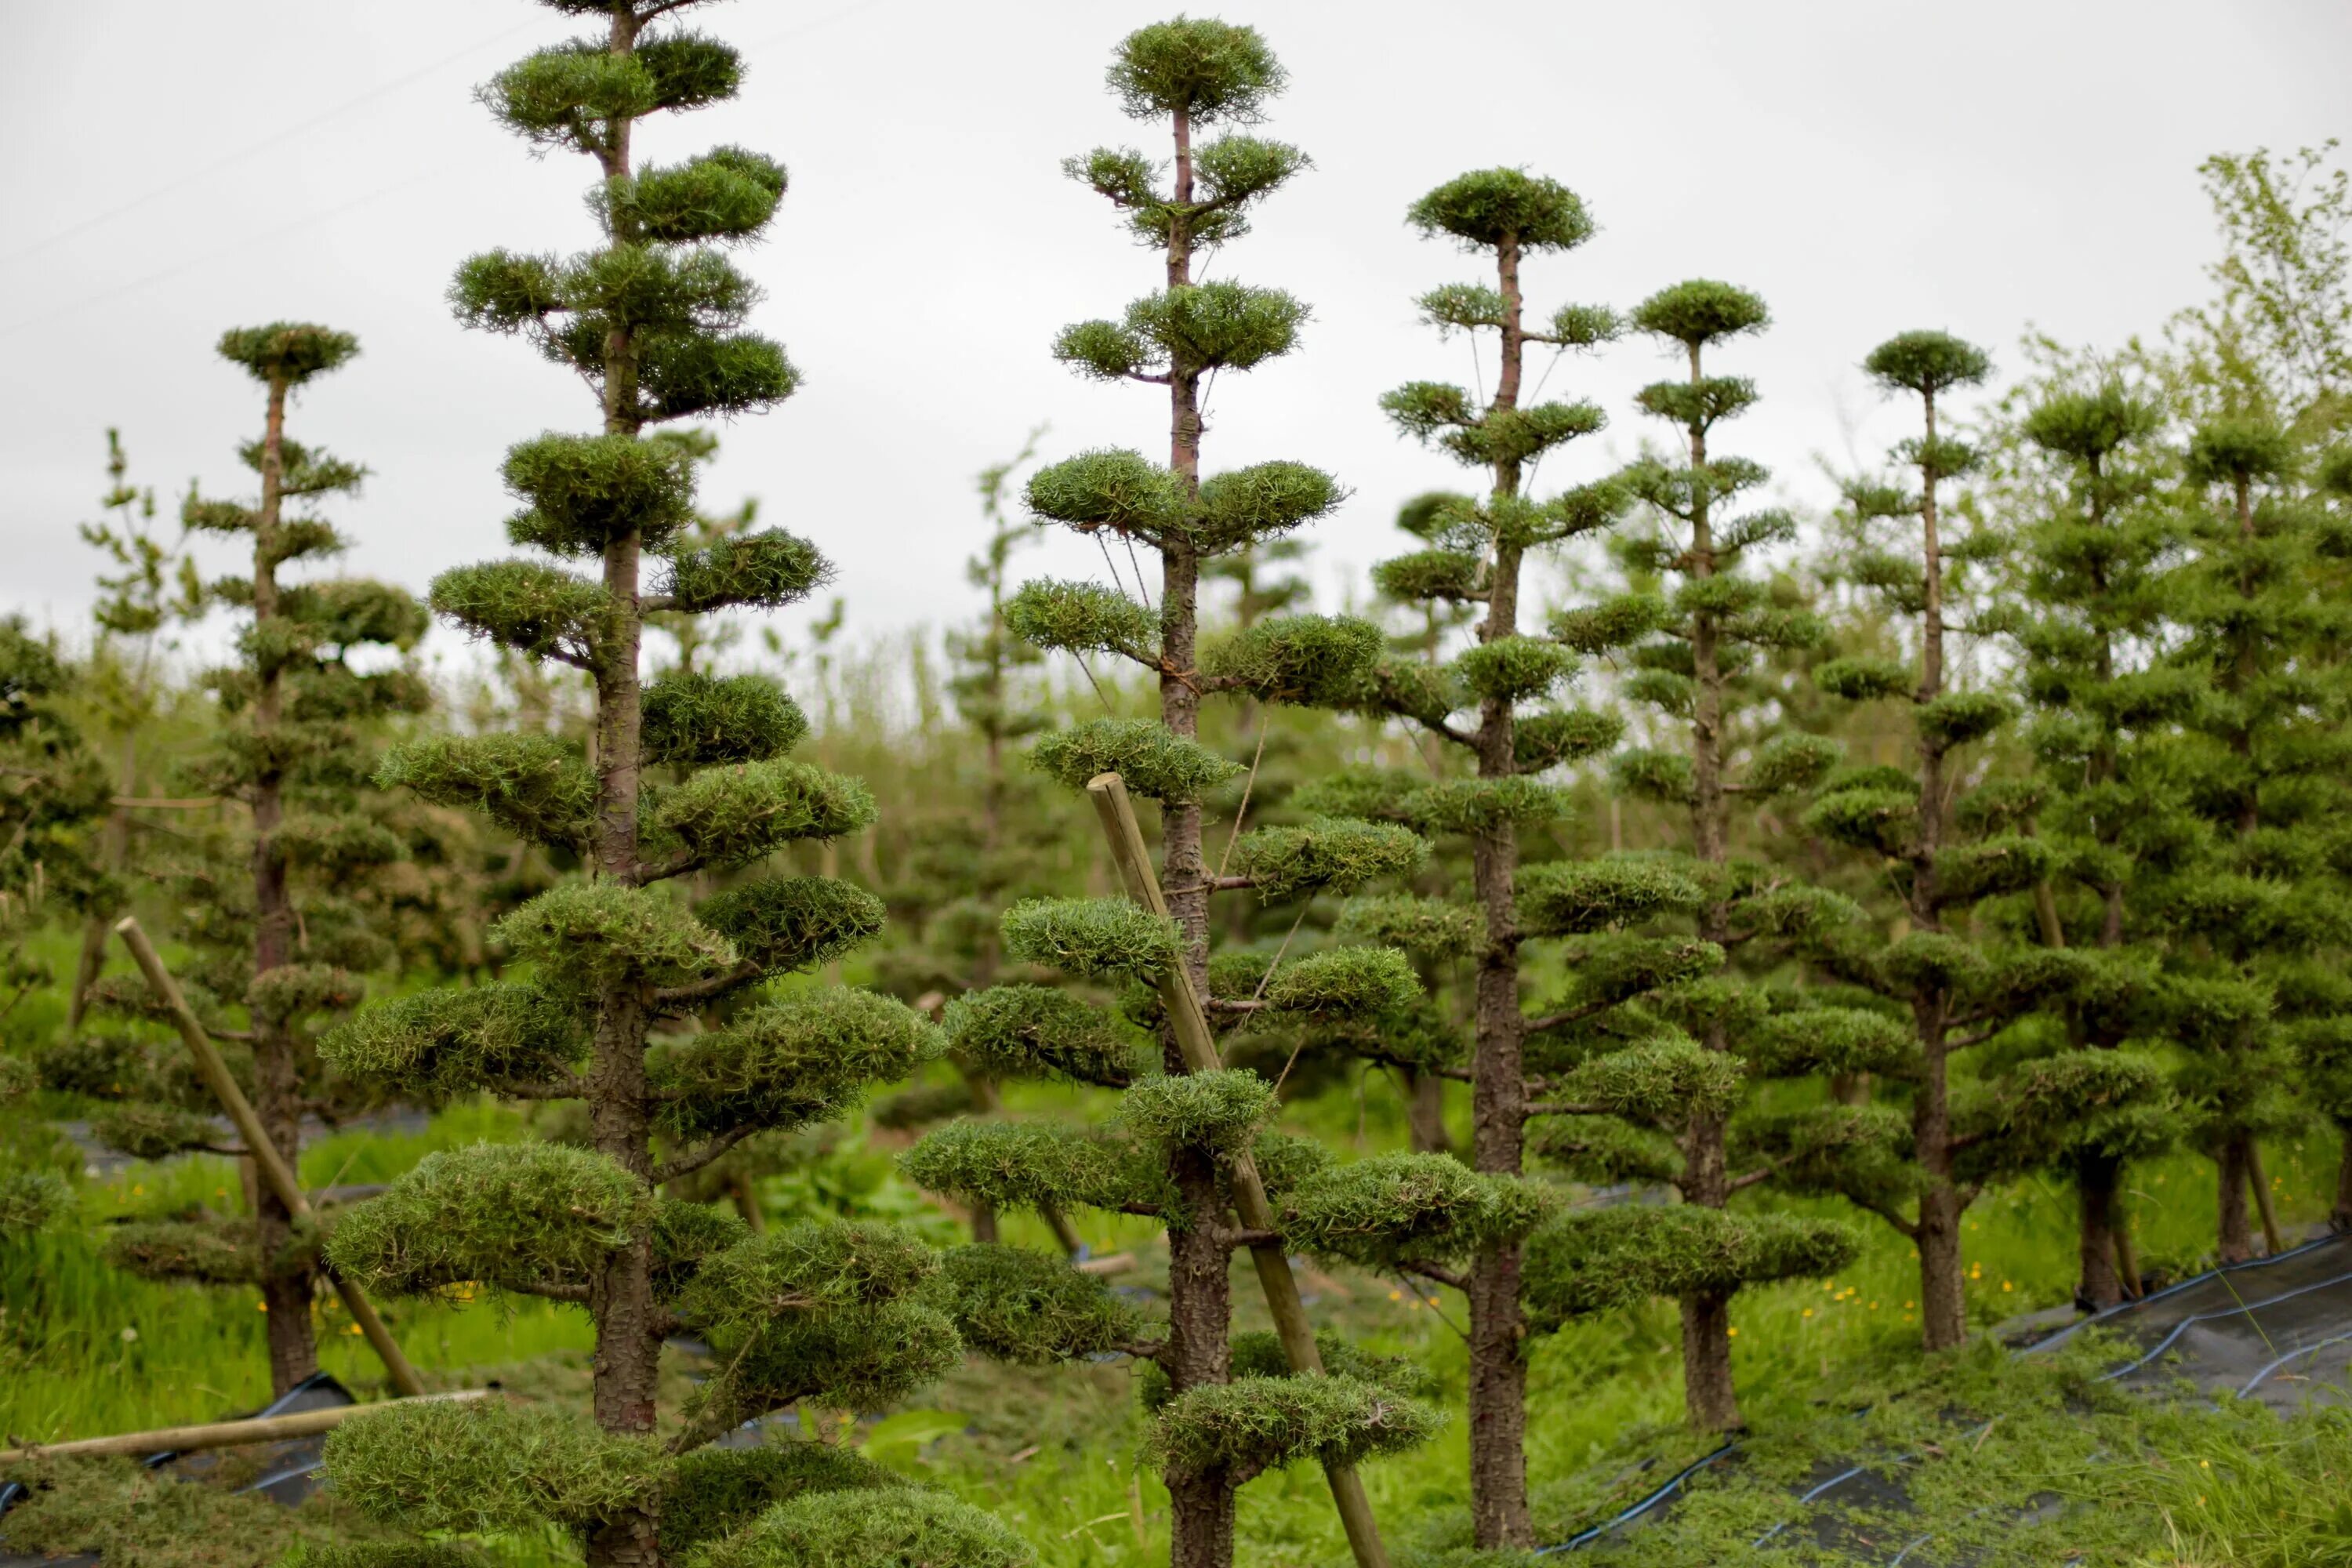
x,y
1479,558
621,969
1189,1144
2252,919
1698,651
2111,808
281,907
1944,849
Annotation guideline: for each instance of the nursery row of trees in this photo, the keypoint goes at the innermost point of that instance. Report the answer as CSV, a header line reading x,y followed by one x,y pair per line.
x,y
1994,826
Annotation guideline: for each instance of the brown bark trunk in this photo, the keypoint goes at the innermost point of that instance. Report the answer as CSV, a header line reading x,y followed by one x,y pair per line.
x,y
1498,1465
1709,1399
1201,1521
1498,1404
1201,1528
2096,1182
1942,1295
1942,1299
625,1371
285,1286
1424,1112
2274,1239
984,1103
1200,1295
2236,1235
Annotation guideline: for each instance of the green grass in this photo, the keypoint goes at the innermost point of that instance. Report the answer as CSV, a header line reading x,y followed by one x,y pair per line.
x,y
86,1349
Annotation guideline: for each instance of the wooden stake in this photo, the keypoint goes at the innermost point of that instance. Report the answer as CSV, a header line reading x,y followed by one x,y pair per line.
x,y
216,1434
2274,1239
270,1165
1199,1048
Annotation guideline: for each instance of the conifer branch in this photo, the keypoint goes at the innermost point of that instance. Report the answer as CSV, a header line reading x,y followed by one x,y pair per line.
x,y
548,1289
688,1163
674,1001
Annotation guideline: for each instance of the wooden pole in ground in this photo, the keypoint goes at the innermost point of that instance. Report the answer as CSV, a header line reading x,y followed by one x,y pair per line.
x,y
2274,1239
1199,1048
270,1166
214,1434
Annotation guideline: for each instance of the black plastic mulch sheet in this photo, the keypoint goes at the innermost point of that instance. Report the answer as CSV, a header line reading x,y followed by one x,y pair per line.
x,y
2278,1330
289,1470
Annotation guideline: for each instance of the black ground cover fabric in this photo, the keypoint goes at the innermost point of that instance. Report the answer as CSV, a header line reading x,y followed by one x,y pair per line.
x,y
2277,1329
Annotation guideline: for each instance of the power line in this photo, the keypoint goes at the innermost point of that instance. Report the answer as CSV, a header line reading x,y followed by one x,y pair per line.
x,y
179,267
180,182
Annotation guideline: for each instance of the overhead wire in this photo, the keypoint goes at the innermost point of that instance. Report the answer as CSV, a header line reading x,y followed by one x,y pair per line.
x,y
273,139
181,181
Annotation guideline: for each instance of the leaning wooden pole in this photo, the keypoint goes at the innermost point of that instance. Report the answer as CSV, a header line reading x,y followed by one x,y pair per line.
x,y
213,1434
1199,1048
271,1165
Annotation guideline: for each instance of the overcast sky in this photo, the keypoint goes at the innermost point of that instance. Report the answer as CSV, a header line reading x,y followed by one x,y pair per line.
x,y
1867,165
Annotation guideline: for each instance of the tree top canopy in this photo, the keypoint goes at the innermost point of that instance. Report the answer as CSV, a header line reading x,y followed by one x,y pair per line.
x,y
1204,69
1927,363
2087,425
292,352
1491,207
1701,310
2227,450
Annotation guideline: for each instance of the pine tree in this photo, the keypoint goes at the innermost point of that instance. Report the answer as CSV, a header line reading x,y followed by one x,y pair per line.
x,y
620,970
281,907
1184,1146
1509,215
2264,766
2090,573
1944,849
1699,653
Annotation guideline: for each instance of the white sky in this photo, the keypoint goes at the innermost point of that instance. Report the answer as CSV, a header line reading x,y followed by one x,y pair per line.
x,y
1867,165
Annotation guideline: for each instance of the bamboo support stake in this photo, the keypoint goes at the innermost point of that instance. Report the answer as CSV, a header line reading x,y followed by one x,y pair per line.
x,y
270,1165
214,1434
1198,1047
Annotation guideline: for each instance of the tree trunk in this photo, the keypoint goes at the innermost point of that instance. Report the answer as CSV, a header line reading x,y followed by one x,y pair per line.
x,y
2236,1235
1200,1305
286,1285
985,1101
2096,1182
1498,1404
1201,1521
626,1369
1943,1308
2274,1239
1708,1398
1424,1112
1498,1377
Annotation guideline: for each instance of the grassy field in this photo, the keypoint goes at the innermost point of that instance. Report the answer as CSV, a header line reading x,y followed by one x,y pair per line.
x,y
88,1350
